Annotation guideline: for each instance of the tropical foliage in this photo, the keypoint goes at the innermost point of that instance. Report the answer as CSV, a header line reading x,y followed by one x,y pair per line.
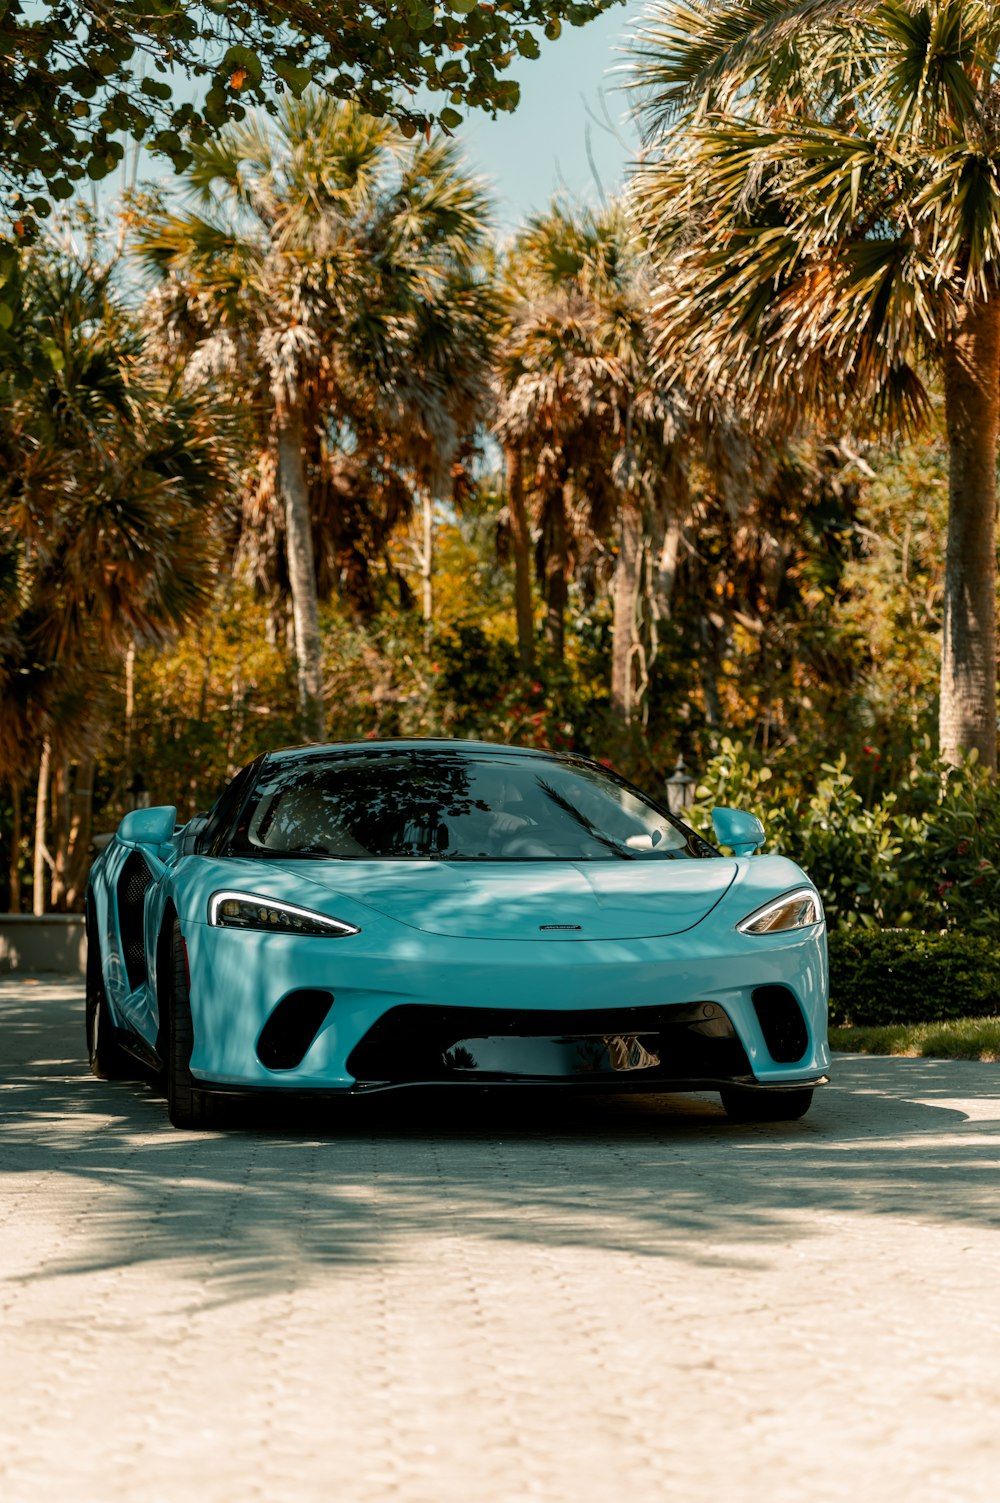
x,y
112,488
799,613
330,279
919,854
78,76
591,440
309,453
821,183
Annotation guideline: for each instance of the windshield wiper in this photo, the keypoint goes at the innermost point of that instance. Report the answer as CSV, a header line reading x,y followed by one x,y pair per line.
x,y
301,853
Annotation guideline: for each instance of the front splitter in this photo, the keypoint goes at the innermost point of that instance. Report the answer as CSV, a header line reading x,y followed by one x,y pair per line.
x,y
624,1085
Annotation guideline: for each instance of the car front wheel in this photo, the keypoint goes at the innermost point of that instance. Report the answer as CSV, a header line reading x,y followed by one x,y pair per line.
x,y
746,1104
108,1059
187,1105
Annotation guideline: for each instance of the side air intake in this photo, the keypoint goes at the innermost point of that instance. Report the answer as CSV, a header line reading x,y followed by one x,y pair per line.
x,y
135,878
291,1028
781,1023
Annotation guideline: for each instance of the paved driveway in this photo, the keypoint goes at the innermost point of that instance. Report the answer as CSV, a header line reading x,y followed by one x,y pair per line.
x,y
498,1302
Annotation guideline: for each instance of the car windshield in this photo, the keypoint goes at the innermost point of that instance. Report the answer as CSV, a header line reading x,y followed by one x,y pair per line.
x,y
452,806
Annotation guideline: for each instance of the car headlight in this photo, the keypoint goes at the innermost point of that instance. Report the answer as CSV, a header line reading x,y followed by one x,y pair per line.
x,y
247,910
795,910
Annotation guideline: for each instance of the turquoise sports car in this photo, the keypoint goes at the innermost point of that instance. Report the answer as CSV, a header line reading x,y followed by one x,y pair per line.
x,y
360,917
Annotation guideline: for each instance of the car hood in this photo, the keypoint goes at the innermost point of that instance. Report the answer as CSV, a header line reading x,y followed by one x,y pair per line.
x,y
533,900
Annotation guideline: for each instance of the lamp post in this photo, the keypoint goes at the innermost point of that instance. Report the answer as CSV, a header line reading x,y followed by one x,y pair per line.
x,y
680,788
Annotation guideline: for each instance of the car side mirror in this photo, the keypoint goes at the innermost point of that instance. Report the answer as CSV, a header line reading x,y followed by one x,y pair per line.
x,y
740,830
148,827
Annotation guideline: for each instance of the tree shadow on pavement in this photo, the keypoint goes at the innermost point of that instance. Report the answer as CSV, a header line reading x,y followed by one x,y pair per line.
x,y
285,1194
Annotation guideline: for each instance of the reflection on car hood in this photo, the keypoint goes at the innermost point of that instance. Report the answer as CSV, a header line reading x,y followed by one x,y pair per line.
x,y
530,900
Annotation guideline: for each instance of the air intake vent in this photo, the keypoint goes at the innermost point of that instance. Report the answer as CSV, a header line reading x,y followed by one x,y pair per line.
x,y
781,1023
421,1042
135,878
291,1028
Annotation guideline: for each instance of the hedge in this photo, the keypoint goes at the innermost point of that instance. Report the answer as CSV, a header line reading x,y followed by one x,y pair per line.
x,y
906,976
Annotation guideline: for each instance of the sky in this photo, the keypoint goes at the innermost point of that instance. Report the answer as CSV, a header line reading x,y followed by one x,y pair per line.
x,y
542,148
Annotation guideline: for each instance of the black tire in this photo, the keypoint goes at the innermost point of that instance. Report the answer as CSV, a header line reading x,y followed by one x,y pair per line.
x,y
108,1060
747,1104
187,1105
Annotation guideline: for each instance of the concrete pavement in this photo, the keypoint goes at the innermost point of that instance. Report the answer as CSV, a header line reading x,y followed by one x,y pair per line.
x,y
503,1301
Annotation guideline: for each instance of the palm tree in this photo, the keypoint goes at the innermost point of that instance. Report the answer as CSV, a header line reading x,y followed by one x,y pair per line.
x,y
553,387
822,184
588,430
333,273
110,488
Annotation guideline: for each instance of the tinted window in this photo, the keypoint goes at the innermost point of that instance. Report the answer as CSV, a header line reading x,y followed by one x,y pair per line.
x,y
213,834
453,806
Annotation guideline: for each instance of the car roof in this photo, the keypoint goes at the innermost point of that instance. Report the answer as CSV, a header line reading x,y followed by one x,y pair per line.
x,y
412,743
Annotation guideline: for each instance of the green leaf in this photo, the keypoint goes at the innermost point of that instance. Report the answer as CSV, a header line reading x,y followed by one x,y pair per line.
x,y
216,106
6,316
155,90
462,7
54,354
245,58
527,44
298,79
450,118
104,63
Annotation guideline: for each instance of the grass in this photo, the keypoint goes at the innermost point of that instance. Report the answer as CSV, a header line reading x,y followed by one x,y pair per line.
x,y
959,1038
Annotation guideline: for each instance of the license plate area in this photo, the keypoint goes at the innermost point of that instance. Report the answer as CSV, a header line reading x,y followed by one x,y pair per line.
x,y
553,1058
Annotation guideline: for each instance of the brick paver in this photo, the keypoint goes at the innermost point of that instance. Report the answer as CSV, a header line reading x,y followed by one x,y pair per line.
x,y
551,1299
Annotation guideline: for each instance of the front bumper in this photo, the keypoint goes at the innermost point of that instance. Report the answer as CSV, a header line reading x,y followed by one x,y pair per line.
x,y
400,1007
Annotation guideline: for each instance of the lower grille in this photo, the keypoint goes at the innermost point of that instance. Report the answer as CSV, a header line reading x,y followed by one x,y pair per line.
x,y
291,1028
781,1023
417,1042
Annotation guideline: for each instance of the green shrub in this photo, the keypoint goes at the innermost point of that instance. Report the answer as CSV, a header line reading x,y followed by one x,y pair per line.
x,y
922,856
880,976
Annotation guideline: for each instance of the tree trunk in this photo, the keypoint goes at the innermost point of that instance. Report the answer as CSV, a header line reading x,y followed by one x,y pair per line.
x,y
59,842
294,491
237,700
80,825
625,638
556,571
666,567
968,649
427,568
41,820
129,710
15,847
520,537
